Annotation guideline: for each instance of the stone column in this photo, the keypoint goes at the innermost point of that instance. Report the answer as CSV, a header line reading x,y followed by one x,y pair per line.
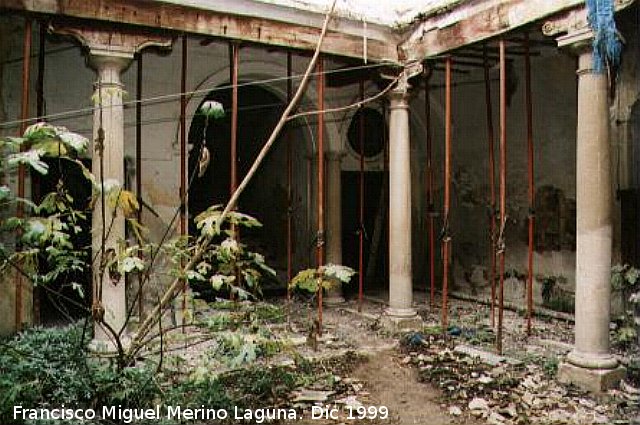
x,y
590,365
108,165
400,312
334,220
110,52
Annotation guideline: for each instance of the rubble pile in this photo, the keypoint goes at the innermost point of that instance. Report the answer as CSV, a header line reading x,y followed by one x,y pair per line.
x,y
510,391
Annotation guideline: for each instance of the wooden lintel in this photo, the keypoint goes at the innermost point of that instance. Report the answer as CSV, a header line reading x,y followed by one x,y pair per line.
x,y
472,22
181,18
574,19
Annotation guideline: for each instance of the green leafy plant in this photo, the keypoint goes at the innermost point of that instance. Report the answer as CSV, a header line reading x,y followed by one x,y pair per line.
x,y
51,367
228,266
326,277
625,280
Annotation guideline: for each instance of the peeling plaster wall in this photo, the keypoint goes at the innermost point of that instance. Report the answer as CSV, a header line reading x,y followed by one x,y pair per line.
x,y
554,118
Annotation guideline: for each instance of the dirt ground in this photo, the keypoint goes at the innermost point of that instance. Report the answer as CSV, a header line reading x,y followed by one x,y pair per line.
x,y
428,383
396,386
387,382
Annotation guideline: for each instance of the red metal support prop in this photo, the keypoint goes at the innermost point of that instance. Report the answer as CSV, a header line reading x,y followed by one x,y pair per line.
x,y
40,112
233,50
42,39
289,184
430,206
183,156
139,169
233,157
492,185
24,116
320,236
446,239
530,172
361,135
183,136
503,190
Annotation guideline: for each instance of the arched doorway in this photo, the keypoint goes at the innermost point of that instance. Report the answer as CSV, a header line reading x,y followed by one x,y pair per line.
x,y
259,110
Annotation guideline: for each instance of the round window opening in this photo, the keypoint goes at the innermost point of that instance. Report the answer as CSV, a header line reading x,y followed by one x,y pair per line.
x,y
374,131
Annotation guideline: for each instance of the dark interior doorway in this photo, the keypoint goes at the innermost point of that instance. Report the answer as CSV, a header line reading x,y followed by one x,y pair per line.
x,y
60,302
375,241
266,196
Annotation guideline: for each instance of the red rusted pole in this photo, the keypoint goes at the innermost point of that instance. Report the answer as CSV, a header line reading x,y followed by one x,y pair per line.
x,y
183,137
139,134
233,49
139,169
503,189
183,165
492,184
40,111
26,75
529,111
430,207
320,241
233,159
42,38
289,184
446,240
361,135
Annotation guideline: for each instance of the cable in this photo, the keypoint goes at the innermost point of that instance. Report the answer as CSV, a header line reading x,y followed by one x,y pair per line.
x,y
358,104
176,96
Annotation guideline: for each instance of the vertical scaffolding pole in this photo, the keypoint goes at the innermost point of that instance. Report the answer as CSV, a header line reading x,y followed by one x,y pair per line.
x,y
24,115
430,206
530,172
320,237
233,50
42,38
492,185
446,239
361,209
183,156
40,112
503,189
139,169
289,184
233,158
183,137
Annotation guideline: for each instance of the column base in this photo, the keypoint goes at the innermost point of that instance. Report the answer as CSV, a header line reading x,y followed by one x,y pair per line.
x,y
401,320
333,296
593,380
102,346
331,301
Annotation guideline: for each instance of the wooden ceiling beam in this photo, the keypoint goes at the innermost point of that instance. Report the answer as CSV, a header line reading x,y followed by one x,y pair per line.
x,y
473,22
341,39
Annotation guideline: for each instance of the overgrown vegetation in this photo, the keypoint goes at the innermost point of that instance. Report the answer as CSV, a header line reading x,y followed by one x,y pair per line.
x,y
554,297
51,368
625,280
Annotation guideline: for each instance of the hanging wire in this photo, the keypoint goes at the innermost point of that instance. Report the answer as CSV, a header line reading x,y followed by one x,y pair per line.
x,y
176,96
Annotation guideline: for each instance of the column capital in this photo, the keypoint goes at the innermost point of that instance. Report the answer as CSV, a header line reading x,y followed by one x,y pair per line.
x,y
335,155
578,41
111,46
399,95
